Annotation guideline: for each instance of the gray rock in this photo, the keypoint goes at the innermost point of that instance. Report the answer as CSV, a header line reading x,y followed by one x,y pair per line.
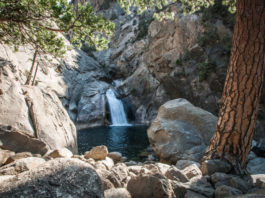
x,y
181,164
219,177
117,193
191,194
174,174
150,186
256,166
56,178
178,128
208,167
192,171
201,186
179,189
116,156
225,191
240,184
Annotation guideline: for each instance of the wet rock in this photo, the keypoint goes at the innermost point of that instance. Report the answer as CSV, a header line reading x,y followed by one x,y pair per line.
x,y
208,167
97,153
60,177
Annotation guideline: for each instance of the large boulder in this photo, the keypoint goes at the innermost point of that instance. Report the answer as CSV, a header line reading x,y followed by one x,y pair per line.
x,y
181,131
60,177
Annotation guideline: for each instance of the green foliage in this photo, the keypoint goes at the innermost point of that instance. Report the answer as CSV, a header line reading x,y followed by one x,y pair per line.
x,y
35,23
190,6
205,68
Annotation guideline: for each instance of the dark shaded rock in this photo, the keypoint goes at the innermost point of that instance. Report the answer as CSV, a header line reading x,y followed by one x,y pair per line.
x,y
240,184
208,167
191,194
179,189
256,166
56,178
225,191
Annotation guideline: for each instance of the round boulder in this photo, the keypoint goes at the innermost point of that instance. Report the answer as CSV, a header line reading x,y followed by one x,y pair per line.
x,y
181,131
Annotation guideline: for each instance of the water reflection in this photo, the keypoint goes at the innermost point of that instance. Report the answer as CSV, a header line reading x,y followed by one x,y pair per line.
x,y
128,140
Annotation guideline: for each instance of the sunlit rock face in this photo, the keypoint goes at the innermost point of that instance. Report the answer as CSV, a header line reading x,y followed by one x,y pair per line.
x,y
181,131
35,112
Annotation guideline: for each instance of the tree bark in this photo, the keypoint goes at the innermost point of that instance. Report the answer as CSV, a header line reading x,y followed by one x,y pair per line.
x,y
242,90
32,67
35,74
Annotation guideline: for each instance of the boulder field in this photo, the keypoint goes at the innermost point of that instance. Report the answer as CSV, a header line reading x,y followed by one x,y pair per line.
x,y
62,174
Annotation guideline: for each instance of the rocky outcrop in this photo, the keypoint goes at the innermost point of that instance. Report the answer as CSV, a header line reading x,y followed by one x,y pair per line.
x,y
181,131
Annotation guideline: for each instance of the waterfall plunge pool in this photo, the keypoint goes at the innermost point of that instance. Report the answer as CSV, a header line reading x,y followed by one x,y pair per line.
x,y
130,141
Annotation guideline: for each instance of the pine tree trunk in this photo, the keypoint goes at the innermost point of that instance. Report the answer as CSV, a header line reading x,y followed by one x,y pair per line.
x,y
237,119
32,67
35,74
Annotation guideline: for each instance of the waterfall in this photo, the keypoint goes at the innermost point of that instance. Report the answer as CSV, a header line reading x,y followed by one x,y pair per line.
x,y
118,116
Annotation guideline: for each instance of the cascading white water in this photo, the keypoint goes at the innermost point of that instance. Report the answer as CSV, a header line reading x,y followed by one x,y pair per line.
x,y
118,116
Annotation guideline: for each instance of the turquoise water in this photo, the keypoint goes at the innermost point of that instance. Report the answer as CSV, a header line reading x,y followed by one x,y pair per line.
x,y
131,141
